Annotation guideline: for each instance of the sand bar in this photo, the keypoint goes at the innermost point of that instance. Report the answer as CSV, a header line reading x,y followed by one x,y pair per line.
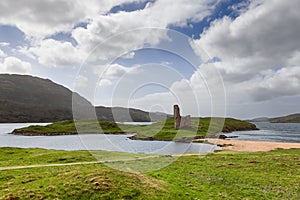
x,y
252,146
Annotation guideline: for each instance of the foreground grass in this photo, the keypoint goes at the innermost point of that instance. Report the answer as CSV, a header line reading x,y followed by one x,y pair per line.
x,y
163,130
223,175
34,156
17,156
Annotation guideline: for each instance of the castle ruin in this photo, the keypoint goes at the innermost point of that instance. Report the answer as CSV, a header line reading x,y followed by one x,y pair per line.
x,y
181,122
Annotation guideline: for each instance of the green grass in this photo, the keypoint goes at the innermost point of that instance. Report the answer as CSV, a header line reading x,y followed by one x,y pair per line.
x,y
18,156
163,130
32,156
223,175
69,127
273,175
76,182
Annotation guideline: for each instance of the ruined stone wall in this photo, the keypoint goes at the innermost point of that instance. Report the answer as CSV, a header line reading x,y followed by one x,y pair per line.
x,y
185,122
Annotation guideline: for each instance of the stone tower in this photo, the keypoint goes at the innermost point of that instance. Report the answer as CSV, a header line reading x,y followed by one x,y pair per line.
x,y
177,117
181,122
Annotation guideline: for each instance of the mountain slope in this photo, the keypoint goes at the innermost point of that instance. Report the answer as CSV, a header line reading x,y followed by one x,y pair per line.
x,y
294,118
260,119
31,99
120,114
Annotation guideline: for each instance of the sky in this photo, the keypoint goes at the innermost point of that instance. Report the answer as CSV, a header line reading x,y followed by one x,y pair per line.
x,y
236,58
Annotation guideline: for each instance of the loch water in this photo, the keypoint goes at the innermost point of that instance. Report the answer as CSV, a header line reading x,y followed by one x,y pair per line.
x,y
272,132
106,142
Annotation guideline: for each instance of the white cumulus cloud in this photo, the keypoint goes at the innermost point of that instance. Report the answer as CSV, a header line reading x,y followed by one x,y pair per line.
x,y
41,18
120,25
105,82
257,50
4,44
56,53
14,65
2,54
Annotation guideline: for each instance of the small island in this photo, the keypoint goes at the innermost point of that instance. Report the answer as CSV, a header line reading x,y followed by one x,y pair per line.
x,y
163,130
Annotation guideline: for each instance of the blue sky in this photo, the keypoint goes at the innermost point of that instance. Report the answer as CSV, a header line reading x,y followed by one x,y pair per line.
x,y
237,58
224,8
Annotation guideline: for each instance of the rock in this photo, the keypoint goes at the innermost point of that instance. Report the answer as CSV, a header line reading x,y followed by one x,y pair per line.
x,y
222,136
199,137
184,139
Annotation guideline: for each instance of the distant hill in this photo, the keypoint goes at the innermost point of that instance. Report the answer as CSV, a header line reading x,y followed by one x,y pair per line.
x,y
260,119
120,114
293,118
31,99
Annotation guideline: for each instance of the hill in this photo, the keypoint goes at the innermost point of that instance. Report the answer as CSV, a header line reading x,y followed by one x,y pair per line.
x,y
31,99
120,114
293,118
260,119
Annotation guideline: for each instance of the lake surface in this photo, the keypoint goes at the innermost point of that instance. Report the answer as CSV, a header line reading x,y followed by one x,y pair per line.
x,y
119,143
273,132
136,123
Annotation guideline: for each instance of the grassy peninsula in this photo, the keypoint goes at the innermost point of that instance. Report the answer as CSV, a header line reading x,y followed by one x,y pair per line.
x,y
221,175
163,130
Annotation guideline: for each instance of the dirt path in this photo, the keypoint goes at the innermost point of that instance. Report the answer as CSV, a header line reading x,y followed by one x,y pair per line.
x,y
48,165
74,163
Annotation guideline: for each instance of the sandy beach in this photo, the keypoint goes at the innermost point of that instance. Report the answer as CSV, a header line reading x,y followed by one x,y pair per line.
x,y
252,146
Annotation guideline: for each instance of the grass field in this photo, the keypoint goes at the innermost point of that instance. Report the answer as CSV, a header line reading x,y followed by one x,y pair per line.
x,y
221,175
163,130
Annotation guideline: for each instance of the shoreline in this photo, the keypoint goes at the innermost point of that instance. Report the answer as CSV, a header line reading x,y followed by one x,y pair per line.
x,y
251,146
63,134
